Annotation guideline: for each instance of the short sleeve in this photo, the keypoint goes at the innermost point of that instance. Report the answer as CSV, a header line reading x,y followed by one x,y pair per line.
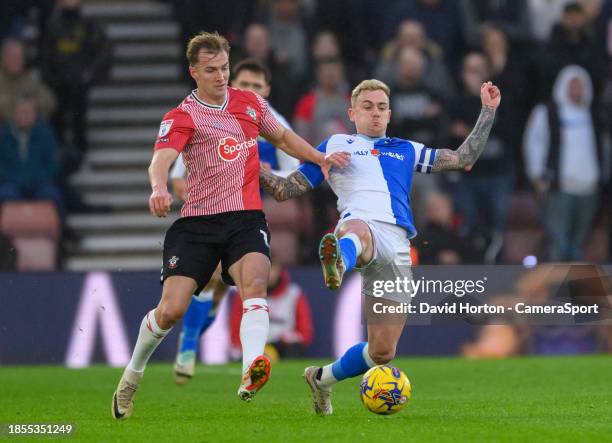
x,y
268,123
312,171
175,130
423,158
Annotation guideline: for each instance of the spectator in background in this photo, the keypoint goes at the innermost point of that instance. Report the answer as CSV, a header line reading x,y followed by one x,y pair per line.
x,y
563,158
16,81
358,25
604,28
28,151
325,46
509,15
509,72
411,34
416,108
291,328
440,18
198,15
12,17
322,111
319,114
438,242
487,187
257,45
543,14
572,43
287,35
75,56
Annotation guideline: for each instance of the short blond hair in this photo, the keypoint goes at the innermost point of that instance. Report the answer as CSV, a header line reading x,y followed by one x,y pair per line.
x,y
212,42
369,85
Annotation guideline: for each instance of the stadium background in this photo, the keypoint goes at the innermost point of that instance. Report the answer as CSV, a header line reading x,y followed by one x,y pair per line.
x,y
120,66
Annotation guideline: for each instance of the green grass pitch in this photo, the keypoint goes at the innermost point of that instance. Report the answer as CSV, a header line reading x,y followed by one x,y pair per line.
x,y
521,399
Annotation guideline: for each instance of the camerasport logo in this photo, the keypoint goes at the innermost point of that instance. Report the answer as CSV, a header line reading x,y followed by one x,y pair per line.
x,y
229,149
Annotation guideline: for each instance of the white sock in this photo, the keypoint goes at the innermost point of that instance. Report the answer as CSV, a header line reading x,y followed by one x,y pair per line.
x,y
149,337
253,329
366,356
327,377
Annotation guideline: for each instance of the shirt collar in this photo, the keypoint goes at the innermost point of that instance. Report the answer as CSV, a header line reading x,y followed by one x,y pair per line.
x,y
370,139
221,107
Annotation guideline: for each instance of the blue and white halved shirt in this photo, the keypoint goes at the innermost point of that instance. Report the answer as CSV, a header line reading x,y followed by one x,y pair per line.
x,y
376,183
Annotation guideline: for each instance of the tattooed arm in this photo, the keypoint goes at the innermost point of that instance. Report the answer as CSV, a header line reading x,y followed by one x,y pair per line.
x,y
469,151
282,188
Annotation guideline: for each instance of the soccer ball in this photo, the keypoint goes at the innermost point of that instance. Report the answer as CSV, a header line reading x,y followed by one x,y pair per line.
x,y
385,390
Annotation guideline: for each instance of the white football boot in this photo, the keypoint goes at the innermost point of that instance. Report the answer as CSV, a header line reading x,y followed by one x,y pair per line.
x,y
184,365
123,398
321,397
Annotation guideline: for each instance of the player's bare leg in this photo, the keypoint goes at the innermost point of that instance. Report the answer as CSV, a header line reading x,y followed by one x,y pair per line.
x,y
351,245
384,331
176,296
251,276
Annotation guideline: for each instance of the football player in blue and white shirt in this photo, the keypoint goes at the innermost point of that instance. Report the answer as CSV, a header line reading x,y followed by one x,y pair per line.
x,y
376,224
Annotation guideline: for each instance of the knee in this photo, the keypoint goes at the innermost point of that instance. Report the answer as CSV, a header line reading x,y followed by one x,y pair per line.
x,y
365,237
169,315
382,356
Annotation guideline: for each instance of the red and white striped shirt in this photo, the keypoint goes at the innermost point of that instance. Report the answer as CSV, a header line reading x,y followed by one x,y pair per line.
x,y
219,146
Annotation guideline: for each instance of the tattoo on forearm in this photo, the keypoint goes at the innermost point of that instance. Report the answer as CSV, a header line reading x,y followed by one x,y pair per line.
x,y
471,148
282,188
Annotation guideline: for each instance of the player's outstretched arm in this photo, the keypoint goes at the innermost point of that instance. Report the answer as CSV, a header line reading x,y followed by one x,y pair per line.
x,y
281,188
469,151
294,145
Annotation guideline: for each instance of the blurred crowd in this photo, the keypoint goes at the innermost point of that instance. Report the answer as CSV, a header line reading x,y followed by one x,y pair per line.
x,y
44,84
547,162
548,156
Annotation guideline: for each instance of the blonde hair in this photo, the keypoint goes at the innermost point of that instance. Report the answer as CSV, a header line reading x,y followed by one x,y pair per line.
x,y
210,42
369,85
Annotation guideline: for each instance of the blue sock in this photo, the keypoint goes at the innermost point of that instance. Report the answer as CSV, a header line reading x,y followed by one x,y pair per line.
x,y
210,318
352,363
195,322
350,246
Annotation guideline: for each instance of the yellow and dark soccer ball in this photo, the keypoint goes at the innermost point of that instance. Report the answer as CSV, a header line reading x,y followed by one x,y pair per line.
x,y
385,390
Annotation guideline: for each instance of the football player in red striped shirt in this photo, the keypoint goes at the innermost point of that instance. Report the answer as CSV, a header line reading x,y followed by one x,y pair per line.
x,y
216,128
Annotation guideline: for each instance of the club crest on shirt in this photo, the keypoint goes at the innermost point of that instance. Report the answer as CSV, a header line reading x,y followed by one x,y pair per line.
x,y
251,113
172,263
164,128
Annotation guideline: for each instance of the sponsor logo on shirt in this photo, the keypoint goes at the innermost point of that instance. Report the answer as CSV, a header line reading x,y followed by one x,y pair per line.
x,y
377,153
164,128
394,155
229,149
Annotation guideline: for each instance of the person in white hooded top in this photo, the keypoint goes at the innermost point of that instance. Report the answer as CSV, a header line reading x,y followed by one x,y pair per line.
x,y
563,157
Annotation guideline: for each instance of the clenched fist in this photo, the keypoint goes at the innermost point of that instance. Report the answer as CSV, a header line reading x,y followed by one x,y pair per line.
x,y
490,95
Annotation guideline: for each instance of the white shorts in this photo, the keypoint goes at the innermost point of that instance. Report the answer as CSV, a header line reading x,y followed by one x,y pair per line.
x,y
391,258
